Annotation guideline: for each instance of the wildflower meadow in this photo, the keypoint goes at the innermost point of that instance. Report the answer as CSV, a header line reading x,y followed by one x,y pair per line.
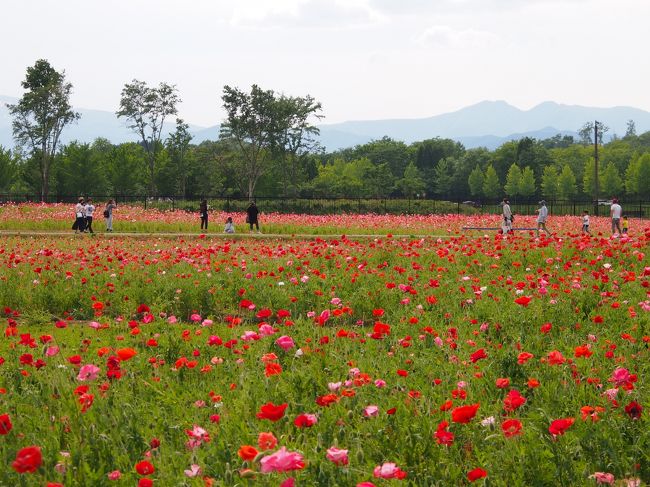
x,y
421,355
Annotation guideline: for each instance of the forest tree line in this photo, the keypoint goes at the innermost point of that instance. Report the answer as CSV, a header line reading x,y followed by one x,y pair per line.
x,y
268,146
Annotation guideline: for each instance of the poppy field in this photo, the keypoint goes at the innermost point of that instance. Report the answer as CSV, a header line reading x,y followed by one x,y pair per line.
x,y
467,359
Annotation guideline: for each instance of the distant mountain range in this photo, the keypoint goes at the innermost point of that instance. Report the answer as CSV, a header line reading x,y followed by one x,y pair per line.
x,y
486,124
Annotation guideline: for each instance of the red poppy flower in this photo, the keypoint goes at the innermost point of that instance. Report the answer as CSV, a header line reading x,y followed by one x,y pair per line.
x,y
559,426
305,420
443,436
511,427
478,355
327,400
28,460
143,308
144,468
247,452
272,412
126,354
477,473
634,410
272,369
513,400
464,414
523,301
5,424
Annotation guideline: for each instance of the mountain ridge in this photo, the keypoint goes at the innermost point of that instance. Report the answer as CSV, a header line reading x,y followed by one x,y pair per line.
x,y
488,123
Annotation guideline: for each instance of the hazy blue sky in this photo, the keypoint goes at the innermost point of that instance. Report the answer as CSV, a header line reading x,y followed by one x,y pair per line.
x,y
363,59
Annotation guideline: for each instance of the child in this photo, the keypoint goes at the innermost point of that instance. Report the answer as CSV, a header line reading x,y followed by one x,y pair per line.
x,y
229,228
542,215
626,224
585,222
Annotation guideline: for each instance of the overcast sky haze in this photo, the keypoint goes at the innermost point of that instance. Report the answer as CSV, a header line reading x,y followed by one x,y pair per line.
x,y
363,59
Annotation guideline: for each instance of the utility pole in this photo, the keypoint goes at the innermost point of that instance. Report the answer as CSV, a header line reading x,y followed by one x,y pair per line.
x,y
596,185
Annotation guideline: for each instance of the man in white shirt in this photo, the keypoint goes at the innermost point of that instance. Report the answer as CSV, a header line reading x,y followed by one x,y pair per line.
x,y
89,209
542,215
616,212
507,216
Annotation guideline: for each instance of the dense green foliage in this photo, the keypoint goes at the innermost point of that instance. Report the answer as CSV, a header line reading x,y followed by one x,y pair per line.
x,y
438,168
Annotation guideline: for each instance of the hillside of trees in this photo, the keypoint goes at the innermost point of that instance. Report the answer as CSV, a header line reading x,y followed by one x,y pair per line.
x,y
556,168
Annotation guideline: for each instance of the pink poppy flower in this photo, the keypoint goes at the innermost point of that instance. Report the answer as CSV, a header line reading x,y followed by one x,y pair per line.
x,y
337,456
603,478
193,471
370,411
52,351
88,372
285,342
282,461
114,475
388,471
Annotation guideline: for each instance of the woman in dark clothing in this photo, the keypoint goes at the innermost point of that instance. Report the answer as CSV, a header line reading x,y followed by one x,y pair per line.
x,y
251,216
203,210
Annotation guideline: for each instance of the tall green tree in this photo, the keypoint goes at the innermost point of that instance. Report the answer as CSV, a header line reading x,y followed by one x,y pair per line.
x,y
443,178
637,177
263,125
475,182
296,137
566,184
550,182
41,114
491,184
513,181
178,148
127,170
145,109
412,183
527,185
611,183
504,157
8,169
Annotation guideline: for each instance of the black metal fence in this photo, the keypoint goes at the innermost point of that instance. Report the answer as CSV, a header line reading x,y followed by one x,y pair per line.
x,y
324,206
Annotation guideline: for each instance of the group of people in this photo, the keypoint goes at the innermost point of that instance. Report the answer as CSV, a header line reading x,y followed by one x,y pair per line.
x,y
84,211
616,213
252,214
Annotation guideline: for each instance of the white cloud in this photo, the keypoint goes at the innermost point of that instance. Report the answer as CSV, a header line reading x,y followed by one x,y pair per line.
x,y
445,36
329,14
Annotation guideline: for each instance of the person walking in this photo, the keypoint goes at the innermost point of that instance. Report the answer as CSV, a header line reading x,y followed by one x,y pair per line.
x,y
507,216
585,222
626,224
542,216
108,214
251,216
229,227
80,219
203,211
89,209
615,212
